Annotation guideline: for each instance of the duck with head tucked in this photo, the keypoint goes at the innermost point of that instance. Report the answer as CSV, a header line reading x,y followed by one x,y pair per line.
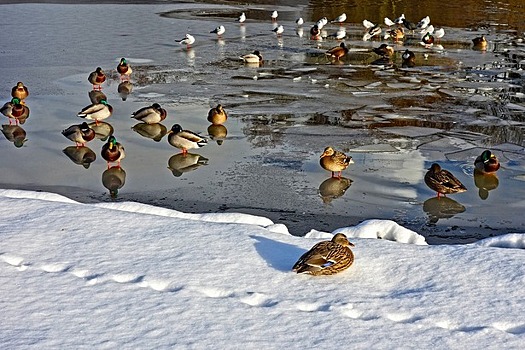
x,y
335,161
487,162
185,139
96,111
442,181
217,115
79,134
327,257
150,115
113,151
97,78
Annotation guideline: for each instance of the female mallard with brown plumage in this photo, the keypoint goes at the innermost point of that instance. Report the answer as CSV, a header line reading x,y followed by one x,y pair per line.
x,y
113,151
442,181
217,115
335,161
20,91
480,43
487,162
327,257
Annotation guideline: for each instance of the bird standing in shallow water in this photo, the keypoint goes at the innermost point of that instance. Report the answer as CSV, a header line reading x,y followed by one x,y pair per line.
x,y
150,115
220,30
188,40
80,134
124,69
335,161
241,18
274,16
217,115
338,51
96,111
185,139
409,58
442,181
327,257
487,162
339,19
96,78
278,30
112,151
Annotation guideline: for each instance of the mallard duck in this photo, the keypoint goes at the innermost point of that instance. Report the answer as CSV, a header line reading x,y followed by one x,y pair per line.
x,y
217,115
254,57
14,109
124,89
274,15
480,43
217,133
442,181
114,179
220,30
152,131
79,134
150,115
183,163
278,30
338,51
409,58
315,32
428,39
124,69
96,111
384,50
241,18
20,91
487,162
113,151
15,134
395,33
339,19
188,40
80,155
96,78
327,257
185,139
335,161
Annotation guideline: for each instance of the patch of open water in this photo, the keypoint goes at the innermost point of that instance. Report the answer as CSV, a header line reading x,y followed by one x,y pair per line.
x,y
394,121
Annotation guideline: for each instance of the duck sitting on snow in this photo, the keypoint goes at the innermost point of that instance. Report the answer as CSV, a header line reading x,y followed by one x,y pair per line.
x,y
327,257
442,181
335,161
487,162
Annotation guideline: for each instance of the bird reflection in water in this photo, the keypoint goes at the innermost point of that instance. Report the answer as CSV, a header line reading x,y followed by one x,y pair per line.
x,y
102,130
151,131
182,163
333,188
95,96
441,208
485,182
80,155
114,179
124,89
15,134
217,133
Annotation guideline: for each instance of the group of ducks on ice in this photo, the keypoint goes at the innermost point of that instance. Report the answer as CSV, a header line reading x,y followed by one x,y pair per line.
x,y
324,258
395,30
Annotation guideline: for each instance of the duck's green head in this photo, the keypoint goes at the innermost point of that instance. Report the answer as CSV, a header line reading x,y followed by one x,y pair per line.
x,y
15,101
487,155
123,61
176,128
104,102
112,142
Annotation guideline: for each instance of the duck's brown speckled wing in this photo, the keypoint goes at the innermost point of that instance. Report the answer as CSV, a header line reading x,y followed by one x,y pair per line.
x,y
325,258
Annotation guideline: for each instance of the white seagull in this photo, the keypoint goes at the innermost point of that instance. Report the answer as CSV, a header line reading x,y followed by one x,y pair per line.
x,y
274,15
278,30
241,18
188,40
219,30
299,21
339,19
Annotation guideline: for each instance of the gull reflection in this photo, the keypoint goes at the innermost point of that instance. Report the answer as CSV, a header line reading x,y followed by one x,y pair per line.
x,y
182,163
333,188
102,131
217,133
124,89
80,155
151,131
441,208
190,56
15,134
114,179
485,182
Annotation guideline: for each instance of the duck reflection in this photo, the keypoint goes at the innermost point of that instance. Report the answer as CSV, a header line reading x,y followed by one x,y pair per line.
x,y
441,208
96,96
124,89
485,182
151,131
217,133
80,155
102,130
15,134
182,163
114,179
333,188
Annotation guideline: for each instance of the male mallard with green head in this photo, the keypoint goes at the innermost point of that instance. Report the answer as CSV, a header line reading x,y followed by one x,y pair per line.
x,y
79,134
185,139
96,111
442,181
150,115
487,162
335,161
124,69
96,78
113,151
14,109
327,257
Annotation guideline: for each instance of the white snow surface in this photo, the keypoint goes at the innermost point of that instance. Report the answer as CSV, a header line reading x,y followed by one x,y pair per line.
x,y
133,276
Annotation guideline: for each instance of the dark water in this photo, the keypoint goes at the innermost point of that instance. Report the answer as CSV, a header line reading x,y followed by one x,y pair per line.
x,y
394,121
